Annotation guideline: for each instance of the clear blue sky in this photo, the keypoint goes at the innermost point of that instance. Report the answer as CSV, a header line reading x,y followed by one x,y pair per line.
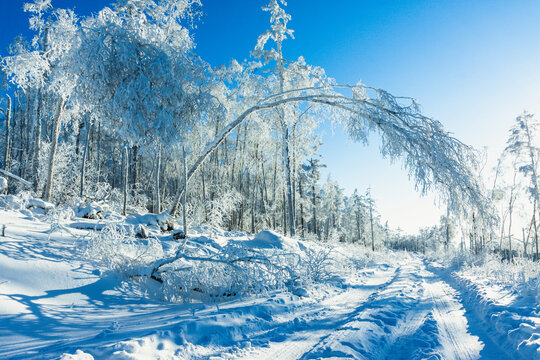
x,y
473,65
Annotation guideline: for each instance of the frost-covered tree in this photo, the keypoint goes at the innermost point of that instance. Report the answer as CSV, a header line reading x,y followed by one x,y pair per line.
x,y
522,146
47,69
146,85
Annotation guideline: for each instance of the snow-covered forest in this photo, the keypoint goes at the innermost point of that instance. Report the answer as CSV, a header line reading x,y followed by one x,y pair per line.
x,y
185,192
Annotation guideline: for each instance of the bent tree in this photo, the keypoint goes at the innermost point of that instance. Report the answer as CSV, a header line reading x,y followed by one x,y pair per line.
x,y
432,156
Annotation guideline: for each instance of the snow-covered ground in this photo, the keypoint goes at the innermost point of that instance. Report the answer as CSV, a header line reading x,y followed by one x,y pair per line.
x,y
55,303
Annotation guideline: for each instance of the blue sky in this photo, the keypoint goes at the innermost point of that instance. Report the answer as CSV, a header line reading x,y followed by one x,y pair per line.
x,y
473,65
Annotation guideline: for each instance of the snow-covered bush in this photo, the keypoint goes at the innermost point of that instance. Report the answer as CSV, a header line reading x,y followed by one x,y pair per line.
x,y
97,192
522,276
317,263
200,270
137,200
116,248
163,221
205,269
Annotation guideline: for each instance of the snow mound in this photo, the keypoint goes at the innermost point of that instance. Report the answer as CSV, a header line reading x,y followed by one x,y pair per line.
x,y
268,239
93,211
79,355
10,202
506,297
3,184
24,201
164,221
39,204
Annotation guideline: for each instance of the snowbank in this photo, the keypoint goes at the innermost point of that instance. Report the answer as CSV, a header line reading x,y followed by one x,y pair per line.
x,y
39,204
93,210
163,221
25,201
3,184
269,239
513,318
10,202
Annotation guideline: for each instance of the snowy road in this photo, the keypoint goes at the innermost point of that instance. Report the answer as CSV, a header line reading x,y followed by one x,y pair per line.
x,y
402,313
393,307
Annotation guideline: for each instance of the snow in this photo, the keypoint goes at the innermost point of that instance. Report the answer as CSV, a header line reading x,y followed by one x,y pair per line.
x,y
93,210
269,239
55,303
3,184
164,221
10,202
40,204
508,305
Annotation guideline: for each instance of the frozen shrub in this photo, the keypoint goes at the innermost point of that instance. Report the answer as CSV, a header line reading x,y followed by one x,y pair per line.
x,y
201,272
317,263
116,248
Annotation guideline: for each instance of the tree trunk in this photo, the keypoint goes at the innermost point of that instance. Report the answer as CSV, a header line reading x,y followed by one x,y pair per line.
x,y
85,156
7,154
125,179
371,222
535,235
135,166
314,209
510,231
286,158
99,152
300,194
184,217
54,145
525,243
284,213
358,233
157,210
37,144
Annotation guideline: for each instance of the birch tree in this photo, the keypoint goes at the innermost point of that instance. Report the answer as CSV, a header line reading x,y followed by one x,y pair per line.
x,y
521,144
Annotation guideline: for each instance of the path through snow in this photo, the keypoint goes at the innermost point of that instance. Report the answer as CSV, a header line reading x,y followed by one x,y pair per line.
x,y
51,303
405,312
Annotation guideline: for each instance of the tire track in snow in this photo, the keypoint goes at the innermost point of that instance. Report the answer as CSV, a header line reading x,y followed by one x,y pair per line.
x,y
294,339
454,336
383,319
413,316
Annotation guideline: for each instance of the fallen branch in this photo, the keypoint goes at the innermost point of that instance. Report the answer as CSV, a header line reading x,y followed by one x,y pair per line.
x,y
15,177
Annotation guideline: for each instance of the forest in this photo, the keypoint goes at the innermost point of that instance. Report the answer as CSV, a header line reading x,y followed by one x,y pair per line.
x,y
128,83
115,115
